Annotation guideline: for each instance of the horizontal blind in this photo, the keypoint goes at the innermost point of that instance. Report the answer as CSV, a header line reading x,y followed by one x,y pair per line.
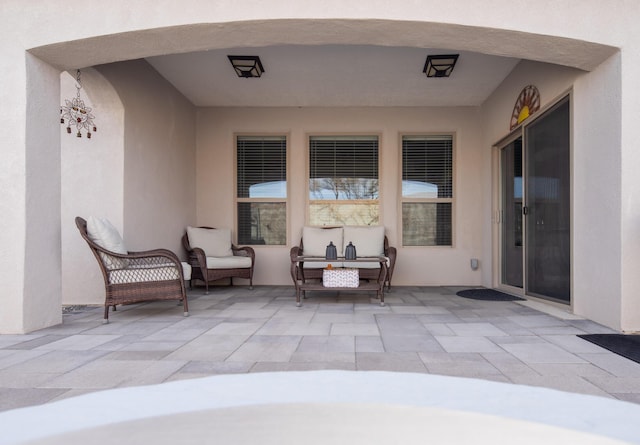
x,y
429,160
343,157
262,160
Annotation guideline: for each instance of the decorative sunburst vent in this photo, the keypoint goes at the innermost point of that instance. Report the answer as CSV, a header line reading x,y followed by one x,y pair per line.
x,y
528,102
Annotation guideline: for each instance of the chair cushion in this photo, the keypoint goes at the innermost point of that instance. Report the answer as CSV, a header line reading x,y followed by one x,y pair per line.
x,y
229,262
214,242
369,240
315,240
104,234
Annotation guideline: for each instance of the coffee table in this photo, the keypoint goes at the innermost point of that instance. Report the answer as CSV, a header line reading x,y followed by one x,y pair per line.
x,y
297,268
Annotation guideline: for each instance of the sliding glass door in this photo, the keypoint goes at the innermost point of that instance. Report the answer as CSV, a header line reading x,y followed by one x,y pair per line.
x,y
535,239
512,232
548,209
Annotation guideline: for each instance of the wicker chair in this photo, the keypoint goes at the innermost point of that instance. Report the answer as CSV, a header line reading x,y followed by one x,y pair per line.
x,y
136,277
204,267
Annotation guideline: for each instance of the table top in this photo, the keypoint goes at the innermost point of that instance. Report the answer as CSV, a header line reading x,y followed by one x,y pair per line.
x,y
321,259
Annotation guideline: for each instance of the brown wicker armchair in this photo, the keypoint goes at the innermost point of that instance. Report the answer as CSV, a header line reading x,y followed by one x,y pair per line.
x,y
136,277
209,266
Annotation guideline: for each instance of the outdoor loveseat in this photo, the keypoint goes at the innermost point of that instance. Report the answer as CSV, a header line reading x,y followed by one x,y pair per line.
x,y
370,241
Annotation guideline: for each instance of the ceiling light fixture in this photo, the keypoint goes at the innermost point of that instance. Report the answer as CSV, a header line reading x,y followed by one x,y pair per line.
x,y
440,65
247,66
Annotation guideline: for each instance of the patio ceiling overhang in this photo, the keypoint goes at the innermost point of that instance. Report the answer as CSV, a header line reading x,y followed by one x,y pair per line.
x,y
328,62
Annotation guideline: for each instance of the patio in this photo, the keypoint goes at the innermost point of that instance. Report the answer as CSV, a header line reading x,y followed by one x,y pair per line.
x,y
235,330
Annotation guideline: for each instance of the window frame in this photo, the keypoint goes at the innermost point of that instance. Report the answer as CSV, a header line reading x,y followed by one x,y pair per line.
x,y
402,199
338,135
285,200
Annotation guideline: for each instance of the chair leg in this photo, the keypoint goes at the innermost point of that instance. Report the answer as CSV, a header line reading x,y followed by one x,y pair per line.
x,y
106,314
185,306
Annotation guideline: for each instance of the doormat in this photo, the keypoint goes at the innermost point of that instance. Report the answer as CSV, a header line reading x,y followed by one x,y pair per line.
x,y
487,295
625,345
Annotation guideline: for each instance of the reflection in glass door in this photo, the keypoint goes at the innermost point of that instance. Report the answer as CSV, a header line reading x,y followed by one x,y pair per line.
x,y
511,166
547,205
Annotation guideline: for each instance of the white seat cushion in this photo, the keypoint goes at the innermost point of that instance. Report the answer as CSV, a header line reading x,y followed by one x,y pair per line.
x,y
369,240
105,235
315,240
229,262
186,270
214,242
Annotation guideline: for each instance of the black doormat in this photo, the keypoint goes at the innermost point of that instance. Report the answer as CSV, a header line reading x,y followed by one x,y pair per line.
x,y
487,295
625,345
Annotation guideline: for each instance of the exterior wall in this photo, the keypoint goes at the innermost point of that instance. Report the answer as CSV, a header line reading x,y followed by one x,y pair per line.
x,y
596,248
159,157
415,265
91,183
563,32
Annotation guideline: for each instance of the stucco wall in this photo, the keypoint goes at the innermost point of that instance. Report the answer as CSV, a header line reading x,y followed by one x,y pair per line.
x,y
91,183
563,32
415,265
159,157
596,248
138,172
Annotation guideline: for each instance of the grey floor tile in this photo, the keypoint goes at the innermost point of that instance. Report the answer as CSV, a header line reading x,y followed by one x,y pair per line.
x,y
236,330
283,327
467,344
9,357
613,363
536,321
541,353
369,344
80,342
411,343
329,343
211,368
573,343
232,328
390,361
209,348
562,383
477,329
354,329
11,398
266,348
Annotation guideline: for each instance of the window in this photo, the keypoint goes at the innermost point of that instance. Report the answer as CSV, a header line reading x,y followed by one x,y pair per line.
x,y
343,180
427,190
262,190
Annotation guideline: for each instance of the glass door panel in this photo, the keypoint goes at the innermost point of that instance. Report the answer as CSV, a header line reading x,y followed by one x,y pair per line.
x,y
548,250
512,257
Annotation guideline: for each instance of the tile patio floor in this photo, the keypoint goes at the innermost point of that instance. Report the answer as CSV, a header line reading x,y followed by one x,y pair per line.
x,y
237,330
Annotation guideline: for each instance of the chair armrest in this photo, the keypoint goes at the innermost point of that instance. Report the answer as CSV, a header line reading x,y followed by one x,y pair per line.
x,y
201,257
244,251
294,253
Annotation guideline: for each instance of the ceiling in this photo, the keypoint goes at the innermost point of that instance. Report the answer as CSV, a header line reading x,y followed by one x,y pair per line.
x,y
333,76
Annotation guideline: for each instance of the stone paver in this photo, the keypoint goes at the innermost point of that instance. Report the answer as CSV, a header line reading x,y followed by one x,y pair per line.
x,y
237,330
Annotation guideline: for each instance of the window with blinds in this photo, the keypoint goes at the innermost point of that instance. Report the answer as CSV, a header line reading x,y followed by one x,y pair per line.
x,y
427,190
343,180
261,184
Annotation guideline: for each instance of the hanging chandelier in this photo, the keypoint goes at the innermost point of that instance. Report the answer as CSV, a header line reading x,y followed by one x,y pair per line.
x,y
77,113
